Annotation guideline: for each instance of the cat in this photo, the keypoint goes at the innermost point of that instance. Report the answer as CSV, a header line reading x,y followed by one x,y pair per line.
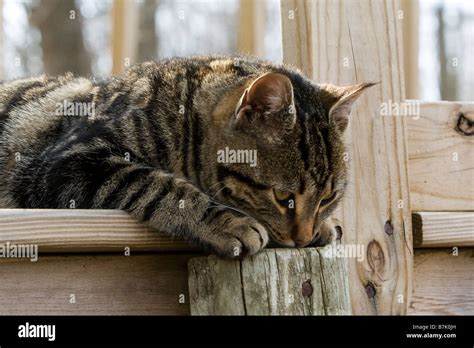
x,y
169,143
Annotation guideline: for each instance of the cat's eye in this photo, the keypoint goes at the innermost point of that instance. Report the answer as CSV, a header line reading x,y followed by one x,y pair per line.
x,y
329,199
281,196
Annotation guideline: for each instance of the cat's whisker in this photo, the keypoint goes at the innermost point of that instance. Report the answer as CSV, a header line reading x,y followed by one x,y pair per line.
x,y
214,196
215,184
232,208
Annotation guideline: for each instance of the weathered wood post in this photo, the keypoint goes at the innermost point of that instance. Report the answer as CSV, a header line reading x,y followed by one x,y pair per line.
x,y
309,281
347,42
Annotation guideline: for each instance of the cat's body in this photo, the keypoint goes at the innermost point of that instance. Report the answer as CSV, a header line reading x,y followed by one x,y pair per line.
x,y
149,144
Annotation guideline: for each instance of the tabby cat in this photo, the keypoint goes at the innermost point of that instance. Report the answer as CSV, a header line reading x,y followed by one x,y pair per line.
x,y
166,143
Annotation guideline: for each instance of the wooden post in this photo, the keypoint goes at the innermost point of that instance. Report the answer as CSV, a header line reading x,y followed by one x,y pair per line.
x,y
251,27
410,47
347,42
274,282
124,34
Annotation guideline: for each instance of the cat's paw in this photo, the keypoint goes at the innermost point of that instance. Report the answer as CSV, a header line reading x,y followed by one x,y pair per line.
x,y
239,237
329,233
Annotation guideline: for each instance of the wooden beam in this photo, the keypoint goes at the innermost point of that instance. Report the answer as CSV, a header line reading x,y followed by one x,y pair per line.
x,y
251,27
443,229
440,150
443,281
82,230
273,282
348,42
124,34
96,285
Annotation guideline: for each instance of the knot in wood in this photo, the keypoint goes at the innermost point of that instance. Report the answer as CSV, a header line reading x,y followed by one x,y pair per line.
x,y
388,228
464,125
307,288
370,291
338,232
375,257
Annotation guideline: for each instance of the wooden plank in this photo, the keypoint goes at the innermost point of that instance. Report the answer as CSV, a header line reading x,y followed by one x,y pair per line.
x,y
251,27
440,150
443,282
274,282
100,285
82,230
443,229
347,42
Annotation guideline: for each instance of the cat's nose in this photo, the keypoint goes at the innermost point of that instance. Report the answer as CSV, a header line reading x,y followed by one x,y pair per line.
x,y
302,234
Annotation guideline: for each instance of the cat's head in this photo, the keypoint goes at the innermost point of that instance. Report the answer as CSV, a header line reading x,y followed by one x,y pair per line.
x,y
282,154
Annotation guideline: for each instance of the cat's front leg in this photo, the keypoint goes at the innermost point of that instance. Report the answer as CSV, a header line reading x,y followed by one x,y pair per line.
x,y
178,208
157,198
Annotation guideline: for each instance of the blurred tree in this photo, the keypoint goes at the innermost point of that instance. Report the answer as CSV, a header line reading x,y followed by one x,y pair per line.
x,y
147,39
60,24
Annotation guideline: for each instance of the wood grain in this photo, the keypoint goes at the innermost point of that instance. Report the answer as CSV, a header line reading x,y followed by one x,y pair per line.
x,y
443,282
442,157
443,229
273,282
346,42
102,285
81,230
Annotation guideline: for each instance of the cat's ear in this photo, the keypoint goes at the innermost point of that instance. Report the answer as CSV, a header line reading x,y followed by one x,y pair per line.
x,y
338,102
269,95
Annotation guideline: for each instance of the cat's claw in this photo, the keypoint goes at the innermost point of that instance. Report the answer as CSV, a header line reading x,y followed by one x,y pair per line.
x,y
241,237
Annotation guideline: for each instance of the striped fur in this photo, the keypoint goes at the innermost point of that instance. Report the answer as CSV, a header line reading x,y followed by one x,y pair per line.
x,y
150,148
